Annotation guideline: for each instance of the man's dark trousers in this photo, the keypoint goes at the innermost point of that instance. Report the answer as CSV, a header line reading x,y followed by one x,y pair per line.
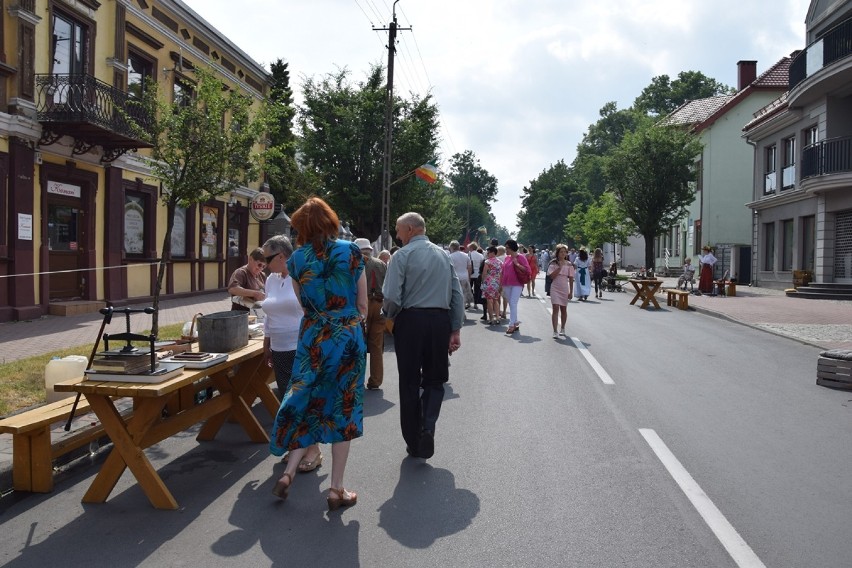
x,y
421,338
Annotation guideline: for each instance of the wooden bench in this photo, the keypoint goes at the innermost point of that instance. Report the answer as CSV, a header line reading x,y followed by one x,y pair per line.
x,y
679,298
33,450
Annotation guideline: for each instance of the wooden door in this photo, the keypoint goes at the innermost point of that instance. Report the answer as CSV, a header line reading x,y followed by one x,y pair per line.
x,y
65,245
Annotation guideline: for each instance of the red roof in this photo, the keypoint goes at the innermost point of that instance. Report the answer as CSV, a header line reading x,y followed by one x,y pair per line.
x,y
700,116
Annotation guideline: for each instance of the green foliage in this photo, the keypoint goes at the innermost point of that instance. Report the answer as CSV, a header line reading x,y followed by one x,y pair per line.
x,y
204,146
601,222
290,184
650,174
341,127
546,203
663,95
469,179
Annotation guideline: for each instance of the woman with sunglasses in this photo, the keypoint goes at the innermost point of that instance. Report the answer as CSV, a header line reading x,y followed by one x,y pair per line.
x,y
246,285
281,327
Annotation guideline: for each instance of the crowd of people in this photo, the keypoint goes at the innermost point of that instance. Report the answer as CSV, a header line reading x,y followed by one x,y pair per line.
x,y
328,303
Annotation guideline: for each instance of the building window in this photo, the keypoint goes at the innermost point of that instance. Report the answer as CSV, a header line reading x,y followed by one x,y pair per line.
x,y
69,48
135,217
788,174
140,74
811,135
677,241
769,170
808,242
787,236
179,233
182,92
769,247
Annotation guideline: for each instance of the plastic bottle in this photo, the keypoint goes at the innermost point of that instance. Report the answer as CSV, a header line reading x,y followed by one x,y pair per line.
x,y
59,370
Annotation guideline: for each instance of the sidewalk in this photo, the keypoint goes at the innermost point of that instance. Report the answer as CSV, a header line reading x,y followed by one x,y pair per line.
x,y
20,340
822,323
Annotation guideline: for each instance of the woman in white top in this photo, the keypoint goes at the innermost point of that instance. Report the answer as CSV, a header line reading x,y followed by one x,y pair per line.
x,y
705,280
281,328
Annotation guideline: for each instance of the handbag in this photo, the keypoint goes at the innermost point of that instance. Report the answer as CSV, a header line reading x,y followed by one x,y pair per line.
x,y
523,274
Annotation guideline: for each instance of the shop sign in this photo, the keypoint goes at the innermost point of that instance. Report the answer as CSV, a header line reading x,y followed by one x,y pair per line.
x,y
262,206
66,189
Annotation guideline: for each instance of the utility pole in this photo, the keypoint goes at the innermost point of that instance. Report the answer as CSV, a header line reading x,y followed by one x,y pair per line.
x,y
386,159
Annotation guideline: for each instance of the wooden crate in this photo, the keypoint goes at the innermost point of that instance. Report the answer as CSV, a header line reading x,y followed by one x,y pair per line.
x,y
834,373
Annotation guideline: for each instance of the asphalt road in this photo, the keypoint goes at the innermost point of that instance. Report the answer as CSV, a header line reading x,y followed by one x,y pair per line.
x,y
538,462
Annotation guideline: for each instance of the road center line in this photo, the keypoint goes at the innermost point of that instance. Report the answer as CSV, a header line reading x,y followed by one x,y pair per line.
x,y
599,370
740,551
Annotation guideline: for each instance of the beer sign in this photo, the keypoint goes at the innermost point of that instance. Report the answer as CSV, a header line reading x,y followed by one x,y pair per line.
x,y
262,206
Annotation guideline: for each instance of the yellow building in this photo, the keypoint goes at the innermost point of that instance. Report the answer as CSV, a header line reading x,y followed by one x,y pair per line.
x,y
80,214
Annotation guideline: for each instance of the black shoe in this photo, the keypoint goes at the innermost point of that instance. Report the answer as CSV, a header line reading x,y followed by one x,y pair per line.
x,y
426,447
411,452
483,318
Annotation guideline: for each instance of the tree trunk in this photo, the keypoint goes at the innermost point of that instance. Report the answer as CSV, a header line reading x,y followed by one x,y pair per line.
x,y
165,257
649,252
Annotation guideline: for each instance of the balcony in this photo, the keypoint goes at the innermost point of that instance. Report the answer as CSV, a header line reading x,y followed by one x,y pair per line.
x,y
827,165
829,50
93,113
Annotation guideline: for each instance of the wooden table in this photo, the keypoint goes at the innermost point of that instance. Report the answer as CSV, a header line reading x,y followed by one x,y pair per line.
x,y
239,380
645,289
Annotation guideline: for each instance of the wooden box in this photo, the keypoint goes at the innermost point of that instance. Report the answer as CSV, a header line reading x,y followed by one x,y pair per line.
x,y
835,372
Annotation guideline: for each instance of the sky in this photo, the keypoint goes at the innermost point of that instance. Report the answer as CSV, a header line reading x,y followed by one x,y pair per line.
x,y
517,82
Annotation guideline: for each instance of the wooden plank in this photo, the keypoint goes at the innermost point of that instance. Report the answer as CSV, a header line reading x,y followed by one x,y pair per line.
x,y
42,462
42,415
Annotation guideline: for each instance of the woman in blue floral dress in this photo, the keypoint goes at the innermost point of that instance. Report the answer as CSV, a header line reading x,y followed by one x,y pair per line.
x,y
324,401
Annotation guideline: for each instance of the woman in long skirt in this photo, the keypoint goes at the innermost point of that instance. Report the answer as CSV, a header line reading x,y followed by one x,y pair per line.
x,y
705,281
583,276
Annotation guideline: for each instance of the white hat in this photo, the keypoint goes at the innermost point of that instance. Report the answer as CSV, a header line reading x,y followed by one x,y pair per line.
x,y
363,244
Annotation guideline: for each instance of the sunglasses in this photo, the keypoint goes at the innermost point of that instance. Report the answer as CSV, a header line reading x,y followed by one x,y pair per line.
x,y
270,258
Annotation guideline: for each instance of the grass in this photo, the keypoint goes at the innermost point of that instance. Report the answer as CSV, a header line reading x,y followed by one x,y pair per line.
x,y
22,381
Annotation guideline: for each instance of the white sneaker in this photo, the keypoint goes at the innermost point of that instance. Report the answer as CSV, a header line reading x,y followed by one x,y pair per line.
x,y
555,335
562,333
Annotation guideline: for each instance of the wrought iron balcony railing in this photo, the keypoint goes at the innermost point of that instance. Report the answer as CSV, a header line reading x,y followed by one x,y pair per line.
x,y
92,112
832,156
831,47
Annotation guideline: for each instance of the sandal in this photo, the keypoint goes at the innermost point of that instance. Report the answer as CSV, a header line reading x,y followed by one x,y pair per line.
x,y
340,498
306,466
281,489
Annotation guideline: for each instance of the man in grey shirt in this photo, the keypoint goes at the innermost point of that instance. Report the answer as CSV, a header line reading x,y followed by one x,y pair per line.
x,y
423,296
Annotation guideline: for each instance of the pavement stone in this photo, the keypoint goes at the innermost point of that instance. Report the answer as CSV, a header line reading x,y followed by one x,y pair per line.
x,y
821,323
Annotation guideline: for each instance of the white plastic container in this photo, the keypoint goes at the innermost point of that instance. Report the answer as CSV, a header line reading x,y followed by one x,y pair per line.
x,y
59,370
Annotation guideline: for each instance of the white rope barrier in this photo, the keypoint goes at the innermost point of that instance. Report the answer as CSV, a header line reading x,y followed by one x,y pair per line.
x,y
80,270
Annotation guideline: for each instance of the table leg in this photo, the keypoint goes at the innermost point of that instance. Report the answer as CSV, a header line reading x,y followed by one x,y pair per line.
x,y
638,293
242,386
127,453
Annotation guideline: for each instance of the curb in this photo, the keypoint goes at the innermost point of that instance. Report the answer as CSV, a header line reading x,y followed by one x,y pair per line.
x,y
726,317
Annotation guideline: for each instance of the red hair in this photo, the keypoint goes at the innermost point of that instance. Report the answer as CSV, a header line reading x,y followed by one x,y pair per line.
x,y
315,222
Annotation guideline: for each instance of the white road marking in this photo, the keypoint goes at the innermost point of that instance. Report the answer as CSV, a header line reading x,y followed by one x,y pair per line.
x,y
601,372
740,551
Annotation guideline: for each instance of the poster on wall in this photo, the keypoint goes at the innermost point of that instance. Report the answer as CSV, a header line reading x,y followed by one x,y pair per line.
x,y
209,217
25,227
134,225
179,232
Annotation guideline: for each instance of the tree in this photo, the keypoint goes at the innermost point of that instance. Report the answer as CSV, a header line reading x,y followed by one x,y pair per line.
x,y
342,143
196,156
601,222
650,174
288,183
663,95
546,202
469,179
